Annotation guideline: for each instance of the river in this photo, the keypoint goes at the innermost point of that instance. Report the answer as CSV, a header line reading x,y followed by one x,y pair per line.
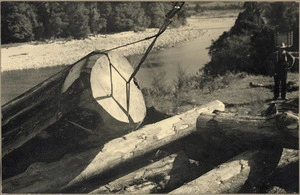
x,y
190,56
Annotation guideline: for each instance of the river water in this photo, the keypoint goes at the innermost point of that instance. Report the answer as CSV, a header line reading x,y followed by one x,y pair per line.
x,y
190,57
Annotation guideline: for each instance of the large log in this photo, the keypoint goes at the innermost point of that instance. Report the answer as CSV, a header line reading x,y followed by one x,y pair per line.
x,y
58,140
95,85
242,172
167,173
75,169
281,129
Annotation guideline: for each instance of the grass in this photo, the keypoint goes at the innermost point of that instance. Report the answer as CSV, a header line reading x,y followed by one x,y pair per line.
x,y
232,89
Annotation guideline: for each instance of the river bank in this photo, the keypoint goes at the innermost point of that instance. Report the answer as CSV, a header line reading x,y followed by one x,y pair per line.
x,y
68,52
53,53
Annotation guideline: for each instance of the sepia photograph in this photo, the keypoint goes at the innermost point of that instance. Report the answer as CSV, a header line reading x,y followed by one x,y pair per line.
x,y
111,97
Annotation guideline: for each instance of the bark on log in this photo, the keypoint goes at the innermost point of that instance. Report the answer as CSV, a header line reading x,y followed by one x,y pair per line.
x,y
74,169
281,129
244,171
63,138
95,84
167,173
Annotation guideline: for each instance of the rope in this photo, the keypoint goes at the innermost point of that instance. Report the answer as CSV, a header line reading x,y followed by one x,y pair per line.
x,y
176,7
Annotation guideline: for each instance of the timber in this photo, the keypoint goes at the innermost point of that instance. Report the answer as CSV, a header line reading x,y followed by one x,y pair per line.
x,y
96,84
237,175
76,168
167,173
280,129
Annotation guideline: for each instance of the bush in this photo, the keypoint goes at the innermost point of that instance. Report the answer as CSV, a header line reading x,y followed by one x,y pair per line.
x,y
230,54
211,83
249,43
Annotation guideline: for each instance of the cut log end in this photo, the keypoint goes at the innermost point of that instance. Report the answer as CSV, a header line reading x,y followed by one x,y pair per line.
x,y
122,100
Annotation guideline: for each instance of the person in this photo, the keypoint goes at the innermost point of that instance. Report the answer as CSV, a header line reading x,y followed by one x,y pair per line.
x,y
282,65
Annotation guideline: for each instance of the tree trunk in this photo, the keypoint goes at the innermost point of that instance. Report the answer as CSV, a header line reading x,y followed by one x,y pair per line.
x,y
242,172
75,169
167,173
281,129
95,86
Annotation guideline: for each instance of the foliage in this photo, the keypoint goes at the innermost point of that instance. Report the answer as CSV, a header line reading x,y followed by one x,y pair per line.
x,y
156,12
126,16
19,21
27,21
230,54
246,47
94,18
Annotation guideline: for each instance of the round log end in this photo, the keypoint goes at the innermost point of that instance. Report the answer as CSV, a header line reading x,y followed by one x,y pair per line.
x,y
122,100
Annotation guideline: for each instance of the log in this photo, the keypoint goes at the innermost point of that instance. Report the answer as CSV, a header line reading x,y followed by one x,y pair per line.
x,y
75,169
167,173
291,86
96,85
246,170
281,129
58,140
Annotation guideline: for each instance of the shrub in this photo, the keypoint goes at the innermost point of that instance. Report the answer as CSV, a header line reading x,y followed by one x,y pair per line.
x,y
230,54
246,47
211,83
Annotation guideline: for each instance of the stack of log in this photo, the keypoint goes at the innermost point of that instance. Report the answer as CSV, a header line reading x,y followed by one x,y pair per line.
x,y
204,150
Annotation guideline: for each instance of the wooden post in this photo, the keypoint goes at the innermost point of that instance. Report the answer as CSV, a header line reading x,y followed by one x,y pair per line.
x,y
75,169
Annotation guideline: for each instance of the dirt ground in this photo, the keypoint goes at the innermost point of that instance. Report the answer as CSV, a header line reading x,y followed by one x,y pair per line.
x,y
242,99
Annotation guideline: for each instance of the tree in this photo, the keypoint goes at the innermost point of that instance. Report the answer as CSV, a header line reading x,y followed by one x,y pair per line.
x,y
284,16
156,13
26,21
126,16
254,28
53,18
18,22
94,17
230,54
105,10
78,20
198,8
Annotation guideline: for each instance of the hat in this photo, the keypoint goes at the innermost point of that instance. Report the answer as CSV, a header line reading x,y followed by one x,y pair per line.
x,y
282,46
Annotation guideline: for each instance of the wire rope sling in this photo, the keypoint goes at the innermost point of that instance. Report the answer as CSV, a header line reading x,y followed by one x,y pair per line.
x,y
168,20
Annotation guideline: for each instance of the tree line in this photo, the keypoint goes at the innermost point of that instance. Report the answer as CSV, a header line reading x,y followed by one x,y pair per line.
x,y
30,21
248,44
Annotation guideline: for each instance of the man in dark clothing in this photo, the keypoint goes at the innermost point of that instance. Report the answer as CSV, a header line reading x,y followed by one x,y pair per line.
x,y
282,65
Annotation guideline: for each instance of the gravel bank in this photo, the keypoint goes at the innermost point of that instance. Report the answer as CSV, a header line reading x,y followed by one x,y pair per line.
x,y
37,55
34,55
